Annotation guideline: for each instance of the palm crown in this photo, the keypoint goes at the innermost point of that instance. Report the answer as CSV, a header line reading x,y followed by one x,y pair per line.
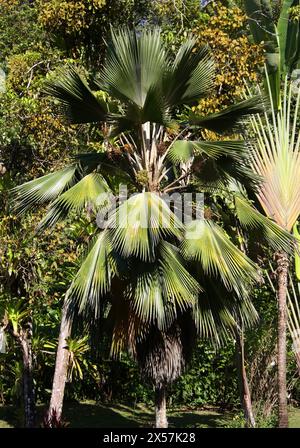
x,y
155,273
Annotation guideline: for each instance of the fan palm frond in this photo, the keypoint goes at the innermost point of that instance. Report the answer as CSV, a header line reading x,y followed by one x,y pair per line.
x,y
43,189
93,280
91,191
134,64
251,219
206,242
159,290
190,76
229,118
138,225
78,101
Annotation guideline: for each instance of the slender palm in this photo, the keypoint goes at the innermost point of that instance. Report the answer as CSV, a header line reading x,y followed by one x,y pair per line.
x,y
157,272
276,158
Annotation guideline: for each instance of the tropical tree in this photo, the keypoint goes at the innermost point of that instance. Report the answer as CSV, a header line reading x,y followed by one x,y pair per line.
x,y
276,158
164,279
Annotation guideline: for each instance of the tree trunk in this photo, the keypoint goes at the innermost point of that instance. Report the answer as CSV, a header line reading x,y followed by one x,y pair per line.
x,y
28,384
245,395
61,367
282,276
160,408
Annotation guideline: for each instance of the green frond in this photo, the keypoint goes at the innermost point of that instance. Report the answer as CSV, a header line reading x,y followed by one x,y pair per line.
x,y
77,99
93,280
134,65
216,312
216,163
91,191
252,220
184,150
138,225
43,189
159,290
208,244
229,118
190,76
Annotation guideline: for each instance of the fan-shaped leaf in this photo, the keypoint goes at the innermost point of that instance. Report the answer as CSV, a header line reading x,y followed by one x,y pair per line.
x,y
139,223
207,243
43,189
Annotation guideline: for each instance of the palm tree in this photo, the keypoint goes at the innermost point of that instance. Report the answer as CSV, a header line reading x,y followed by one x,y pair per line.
x,y
156,271
276,158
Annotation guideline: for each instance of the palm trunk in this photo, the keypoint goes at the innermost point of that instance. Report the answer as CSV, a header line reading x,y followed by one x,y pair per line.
x,y
245,395
282,276
61,367
28,384
161,407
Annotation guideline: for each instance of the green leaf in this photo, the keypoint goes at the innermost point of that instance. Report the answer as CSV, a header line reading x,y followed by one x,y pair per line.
x,y
138,225
77,99
207,243
158,290
229,118
90,191
190,76
93,280
252,219
43,189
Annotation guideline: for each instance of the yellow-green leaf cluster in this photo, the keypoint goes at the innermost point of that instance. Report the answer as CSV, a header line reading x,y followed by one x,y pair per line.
x,y
237,59
72,16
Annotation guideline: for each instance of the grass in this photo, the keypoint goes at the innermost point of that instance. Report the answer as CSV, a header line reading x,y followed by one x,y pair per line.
x,y
88,414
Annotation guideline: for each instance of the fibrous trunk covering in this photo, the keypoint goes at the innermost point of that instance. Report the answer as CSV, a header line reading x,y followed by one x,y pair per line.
x,y
162,356
282,279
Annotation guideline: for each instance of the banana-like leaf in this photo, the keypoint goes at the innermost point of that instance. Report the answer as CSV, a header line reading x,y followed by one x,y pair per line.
x,y
139,223
251,219
77,99
208,244
91,191
276,158
260,18
43,189
264,31
289,34
230,117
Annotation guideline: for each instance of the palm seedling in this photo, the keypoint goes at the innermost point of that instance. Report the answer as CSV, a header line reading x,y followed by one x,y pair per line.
x,y
165,279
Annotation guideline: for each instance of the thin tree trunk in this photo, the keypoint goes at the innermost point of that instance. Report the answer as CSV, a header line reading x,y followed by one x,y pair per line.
x,y
161,407
61,367
245,395
282,276
28,384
